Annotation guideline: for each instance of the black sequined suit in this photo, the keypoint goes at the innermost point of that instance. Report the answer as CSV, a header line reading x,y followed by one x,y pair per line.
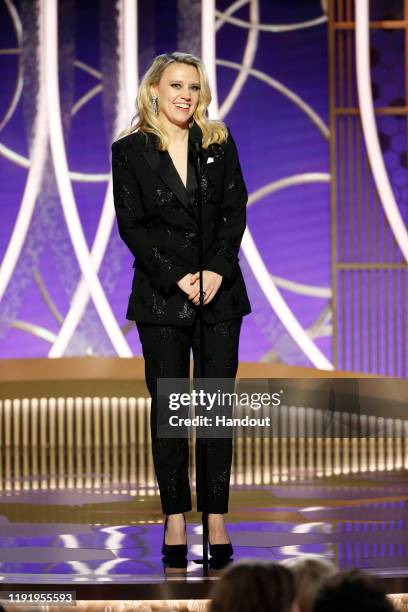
x,y
159,225
166,350
157,219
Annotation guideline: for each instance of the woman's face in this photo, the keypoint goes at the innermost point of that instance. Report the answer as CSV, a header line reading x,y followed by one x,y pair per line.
x,y
178,93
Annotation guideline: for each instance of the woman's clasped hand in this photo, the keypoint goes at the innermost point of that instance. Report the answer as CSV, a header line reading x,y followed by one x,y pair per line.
x,y
190,284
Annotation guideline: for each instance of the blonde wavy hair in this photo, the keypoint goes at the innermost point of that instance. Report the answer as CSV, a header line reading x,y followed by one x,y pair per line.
x,y
147,121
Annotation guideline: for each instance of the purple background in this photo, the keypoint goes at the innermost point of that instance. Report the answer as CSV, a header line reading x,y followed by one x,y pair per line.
x,y
291,227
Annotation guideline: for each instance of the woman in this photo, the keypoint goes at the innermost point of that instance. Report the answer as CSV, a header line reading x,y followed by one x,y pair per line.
x,y
352,590
264,586
155,196
310,572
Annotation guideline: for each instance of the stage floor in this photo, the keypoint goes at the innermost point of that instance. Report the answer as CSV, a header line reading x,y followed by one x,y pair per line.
x,y
113,537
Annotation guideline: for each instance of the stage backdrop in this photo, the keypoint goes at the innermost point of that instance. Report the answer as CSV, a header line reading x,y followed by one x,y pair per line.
x,y
70,71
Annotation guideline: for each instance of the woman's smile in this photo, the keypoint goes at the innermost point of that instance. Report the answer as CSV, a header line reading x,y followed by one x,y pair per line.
x,y
178,93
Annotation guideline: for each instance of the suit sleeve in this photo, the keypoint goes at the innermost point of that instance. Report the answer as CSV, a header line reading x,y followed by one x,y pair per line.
x,y
163,269
224,260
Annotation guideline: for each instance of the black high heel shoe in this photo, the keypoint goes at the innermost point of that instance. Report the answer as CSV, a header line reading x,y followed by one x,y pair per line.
x,y
217,551
173,552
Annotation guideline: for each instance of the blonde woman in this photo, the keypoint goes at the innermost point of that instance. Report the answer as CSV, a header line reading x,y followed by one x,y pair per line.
x,y
155,196
310,571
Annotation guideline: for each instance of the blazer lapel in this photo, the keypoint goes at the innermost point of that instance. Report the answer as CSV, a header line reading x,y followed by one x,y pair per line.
x,y
162,164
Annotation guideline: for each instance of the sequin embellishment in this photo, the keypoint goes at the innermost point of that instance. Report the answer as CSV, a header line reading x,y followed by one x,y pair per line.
x,y
162,259
189,239
158,306
216,151
164,197
186,312
236,180
125,197
119,159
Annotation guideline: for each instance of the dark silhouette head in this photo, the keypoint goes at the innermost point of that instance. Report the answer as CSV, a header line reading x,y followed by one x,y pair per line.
x,y
353,590
254,585
310,573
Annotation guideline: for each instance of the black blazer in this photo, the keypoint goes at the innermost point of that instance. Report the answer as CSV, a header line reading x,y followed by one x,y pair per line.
x,y
157,219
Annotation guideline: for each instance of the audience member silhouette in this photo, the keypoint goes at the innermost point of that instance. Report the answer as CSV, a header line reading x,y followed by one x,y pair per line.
x,y
310,572
353,590
250,585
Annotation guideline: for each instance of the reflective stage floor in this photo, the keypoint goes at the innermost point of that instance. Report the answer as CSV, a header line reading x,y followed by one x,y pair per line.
x,y
112,538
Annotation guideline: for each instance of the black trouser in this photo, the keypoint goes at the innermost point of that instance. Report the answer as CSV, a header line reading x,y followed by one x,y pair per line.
x,y
166,350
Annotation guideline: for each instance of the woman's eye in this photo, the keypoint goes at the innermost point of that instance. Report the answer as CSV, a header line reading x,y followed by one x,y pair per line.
x,y
196,87
175,85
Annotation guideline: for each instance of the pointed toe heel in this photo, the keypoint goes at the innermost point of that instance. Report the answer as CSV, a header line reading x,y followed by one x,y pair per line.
x,y
173,552
220,552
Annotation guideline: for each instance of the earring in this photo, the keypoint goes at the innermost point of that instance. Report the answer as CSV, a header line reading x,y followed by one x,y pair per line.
x,y
154,105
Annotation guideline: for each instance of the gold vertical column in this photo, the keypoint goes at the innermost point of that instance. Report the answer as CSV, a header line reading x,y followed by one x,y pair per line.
x,y
7,443
319,443
257,438
43,442
336,443
310,433
132,440
389,429
301,435
16,444
97,410
34,409
88,442
61,442
372,454
363,444
328,444
398,444
283,430
354,442
114,410
70,407
52,442
405,444
124,440
381,444
106,441
345,421
266,450
79,441
248,458
275,445
293,460
25,442
257,456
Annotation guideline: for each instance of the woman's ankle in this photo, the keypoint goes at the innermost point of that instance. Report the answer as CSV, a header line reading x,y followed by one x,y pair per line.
x,y
175,516
216,517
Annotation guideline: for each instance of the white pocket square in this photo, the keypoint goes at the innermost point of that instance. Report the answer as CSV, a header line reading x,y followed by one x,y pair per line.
x,y
209,160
